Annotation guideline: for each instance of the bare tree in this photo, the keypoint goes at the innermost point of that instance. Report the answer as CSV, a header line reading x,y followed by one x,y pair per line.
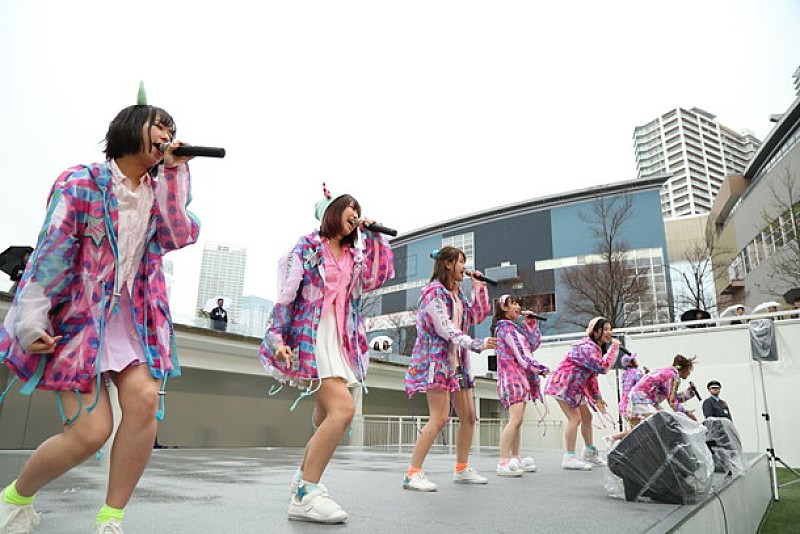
x,y
400,326
702,263
783,224
609,283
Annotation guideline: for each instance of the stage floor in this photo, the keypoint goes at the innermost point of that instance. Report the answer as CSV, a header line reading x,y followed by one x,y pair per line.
x,y
247,491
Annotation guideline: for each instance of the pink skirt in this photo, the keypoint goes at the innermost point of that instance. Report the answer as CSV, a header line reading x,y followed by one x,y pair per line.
x,y
122,345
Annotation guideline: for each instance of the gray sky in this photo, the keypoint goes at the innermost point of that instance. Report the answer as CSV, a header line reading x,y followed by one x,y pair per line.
x,y
423,110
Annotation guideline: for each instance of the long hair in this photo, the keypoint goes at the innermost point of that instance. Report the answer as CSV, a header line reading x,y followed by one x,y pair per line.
x,y
440,270
331,224
124,135
499,312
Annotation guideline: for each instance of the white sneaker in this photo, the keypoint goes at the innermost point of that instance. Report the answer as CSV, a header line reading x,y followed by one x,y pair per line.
x,y
17,518
419,482
527,464
592,456
469,476
572,463
511,469
112,526
317,507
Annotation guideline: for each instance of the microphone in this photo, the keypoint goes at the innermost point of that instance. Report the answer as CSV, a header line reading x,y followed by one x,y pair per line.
x,y
481,277
536,316
192,150
624,351
375,227
694,390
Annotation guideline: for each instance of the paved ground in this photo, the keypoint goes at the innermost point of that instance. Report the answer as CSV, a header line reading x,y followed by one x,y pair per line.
x,y
247,491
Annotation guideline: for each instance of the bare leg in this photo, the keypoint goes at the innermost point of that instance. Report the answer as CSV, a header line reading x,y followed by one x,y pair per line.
x,y
509,439
586,425
318,417
133,444
79,440
466,426
438,409
571,428
339,407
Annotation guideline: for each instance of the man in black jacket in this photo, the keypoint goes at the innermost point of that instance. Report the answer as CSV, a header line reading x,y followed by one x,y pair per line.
x,y
713,406
219,317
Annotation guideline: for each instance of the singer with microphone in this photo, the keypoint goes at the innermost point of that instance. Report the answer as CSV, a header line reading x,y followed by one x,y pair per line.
x,y
662,384
316,338
518,372
440,363
92,308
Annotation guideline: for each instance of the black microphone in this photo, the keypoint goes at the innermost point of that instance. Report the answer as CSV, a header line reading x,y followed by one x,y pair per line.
x,y
481,277
624,351
534,315
694,390
192,150
375,227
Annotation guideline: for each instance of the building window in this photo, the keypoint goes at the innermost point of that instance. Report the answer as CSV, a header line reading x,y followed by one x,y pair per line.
x,y
465,242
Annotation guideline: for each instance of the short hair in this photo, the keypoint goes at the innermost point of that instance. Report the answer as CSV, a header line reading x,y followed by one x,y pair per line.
x,y
682,362
331,223
124,135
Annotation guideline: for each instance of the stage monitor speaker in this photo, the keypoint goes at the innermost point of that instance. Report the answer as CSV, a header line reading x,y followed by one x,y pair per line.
x,y
657,459
725,445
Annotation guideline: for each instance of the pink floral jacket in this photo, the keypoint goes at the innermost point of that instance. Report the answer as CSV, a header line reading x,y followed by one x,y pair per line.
x,y
71,285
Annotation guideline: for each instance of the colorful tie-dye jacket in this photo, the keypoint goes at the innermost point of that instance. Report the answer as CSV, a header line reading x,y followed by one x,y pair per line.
x,y
575,378
630,377
298,307
71,284
661,384
517,369
430,365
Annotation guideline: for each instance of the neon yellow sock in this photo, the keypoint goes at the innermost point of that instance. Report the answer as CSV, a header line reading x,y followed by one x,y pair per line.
x,y
106,513
11,496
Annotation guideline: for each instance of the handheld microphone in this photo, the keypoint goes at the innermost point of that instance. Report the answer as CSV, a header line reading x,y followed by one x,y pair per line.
x,y
192,150
694,390
536,316
375,227
481,277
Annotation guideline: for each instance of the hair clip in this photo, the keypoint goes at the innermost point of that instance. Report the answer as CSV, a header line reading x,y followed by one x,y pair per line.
x,y
434,254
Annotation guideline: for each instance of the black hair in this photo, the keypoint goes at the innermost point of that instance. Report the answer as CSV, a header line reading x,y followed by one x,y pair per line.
x,y
597,332
124,136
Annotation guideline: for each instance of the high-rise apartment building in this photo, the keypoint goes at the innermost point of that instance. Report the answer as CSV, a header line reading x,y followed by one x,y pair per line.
x,y
696,151
255,312
222,275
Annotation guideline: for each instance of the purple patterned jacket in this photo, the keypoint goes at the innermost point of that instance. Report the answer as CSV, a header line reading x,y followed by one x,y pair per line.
x,y
575,378
430,366
70,285
298,307
656,386
517,369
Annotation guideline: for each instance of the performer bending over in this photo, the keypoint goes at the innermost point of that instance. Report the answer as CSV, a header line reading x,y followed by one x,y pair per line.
x,y
92,307
316,336
574,385
517,378
440,363
662,384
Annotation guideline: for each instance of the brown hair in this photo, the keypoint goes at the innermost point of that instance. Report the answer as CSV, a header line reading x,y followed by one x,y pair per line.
x,y
440,270
682,362
331,224
499,312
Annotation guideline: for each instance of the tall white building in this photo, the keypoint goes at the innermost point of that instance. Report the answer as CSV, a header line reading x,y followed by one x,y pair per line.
x,y
222,275
697,151
255,312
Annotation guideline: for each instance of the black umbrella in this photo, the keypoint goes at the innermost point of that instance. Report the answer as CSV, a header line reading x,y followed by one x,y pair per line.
x,y
11,259
691,315
792,296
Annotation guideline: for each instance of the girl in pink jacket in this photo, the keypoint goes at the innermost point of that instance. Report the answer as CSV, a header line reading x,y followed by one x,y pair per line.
x,y
574,385
92,306
517,377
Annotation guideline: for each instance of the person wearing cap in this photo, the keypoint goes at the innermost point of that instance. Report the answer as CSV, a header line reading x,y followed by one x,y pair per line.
x,y
575,387
92,308
316,337
713,406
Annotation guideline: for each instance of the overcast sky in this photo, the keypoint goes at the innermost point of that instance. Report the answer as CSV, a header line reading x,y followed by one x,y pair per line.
x,y
423,110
